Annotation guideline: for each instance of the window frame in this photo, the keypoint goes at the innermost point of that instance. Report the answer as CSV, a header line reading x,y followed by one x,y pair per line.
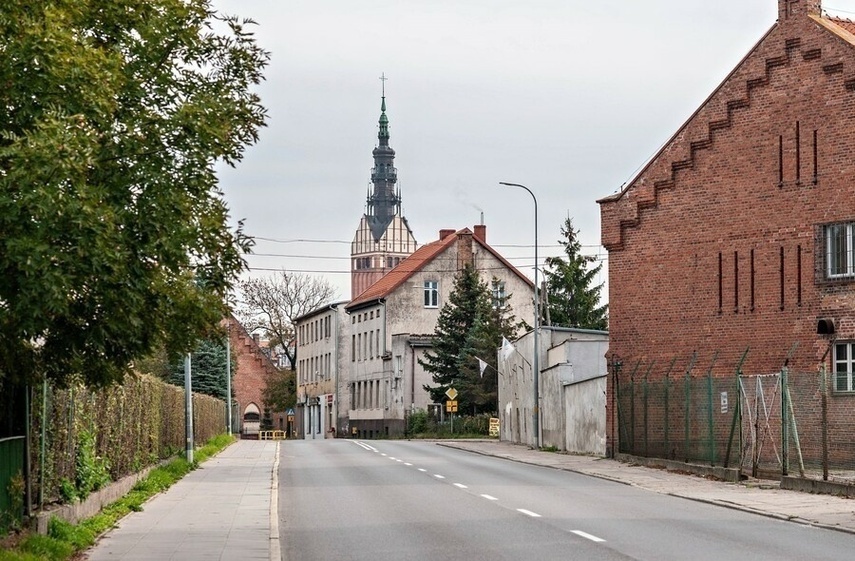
x,y
834,255
499,294
844,366
431,293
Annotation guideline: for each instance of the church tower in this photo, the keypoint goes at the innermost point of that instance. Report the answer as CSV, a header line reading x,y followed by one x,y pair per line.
x,y
383,237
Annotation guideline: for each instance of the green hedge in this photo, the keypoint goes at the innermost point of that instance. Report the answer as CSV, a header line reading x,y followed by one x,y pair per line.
x,y
95,436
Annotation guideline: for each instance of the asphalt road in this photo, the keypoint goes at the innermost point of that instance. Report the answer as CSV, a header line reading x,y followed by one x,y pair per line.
x,y
399,500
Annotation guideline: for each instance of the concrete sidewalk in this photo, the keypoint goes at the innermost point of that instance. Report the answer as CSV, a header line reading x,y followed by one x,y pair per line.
x,y
225,510
824,511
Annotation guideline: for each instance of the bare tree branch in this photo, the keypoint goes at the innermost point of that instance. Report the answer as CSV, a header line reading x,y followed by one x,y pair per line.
x,y
271,304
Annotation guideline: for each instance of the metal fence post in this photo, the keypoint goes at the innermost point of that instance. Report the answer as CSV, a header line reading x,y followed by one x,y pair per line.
x,y
785,425
686,404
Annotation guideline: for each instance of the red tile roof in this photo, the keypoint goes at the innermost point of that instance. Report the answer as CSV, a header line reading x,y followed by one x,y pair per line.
x,y
416,262
846,24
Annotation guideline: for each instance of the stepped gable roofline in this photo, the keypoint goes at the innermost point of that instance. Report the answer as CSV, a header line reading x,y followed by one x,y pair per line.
x,y
842,28
417,261
629,184
320,310
269,365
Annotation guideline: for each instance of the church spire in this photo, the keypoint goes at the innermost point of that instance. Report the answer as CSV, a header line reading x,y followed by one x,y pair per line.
x,y
384,202
383,135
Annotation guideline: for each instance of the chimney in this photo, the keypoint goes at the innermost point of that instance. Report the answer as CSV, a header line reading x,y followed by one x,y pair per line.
x,y
256,338
464,250
789,8
444,233
481,232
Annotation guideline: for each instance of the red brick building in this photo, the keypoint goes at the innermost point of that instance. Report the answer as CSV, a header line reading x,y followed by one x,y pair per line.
x,y
254,367
739,235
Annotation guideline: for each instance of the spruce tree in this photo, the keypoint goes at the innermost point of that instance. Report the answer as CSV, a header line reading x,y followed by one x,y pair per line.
x,y
470,327
207,369
572,301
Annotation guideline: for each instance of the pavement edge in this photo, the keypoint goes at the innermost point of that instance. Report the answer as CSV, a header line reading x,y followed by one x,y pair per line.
x,y
275,552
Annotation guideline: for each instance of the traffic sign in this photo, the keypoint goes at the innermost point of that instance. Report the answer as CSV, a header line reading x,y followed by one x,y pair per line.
x,y
451,393
451,406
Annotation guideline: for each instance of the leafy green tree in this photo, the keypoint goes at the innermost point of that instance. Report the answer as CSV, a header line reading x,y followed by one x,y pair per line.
x,y
207,368
572,301
114,235
470,327
280,390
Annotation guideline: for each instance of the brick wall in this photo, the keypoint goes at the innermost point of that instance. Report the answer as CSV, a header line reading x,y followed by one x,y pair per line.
x,y
253,370
716,246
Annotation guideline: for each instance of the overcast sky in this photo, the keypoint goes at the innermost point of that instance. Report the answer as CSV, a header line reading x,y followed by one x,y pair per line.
x,y
567,97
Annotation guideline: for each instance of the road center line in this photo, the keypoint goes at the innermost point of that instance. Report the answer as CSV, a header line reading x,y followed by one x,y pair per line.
x,y
490,497
461,486
528,513
438,476
588,536
407,464
422,469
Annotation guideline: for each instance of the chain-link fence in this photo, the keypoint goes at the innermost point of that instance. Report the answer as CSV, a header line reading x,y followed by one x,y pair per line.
x,y
766,424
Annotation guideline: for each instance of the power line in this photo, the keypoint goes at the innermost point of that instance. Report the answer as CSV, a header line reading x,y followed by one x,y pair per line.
x,y
307,240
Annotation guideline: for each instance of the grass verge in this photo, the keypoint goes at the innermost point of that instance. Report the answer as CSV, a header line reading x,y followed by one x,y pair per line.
x,y
64,540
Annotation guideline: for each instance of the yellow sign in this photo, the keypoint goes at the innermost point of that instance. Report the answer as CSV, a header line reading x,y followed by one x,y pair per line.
x,y
451,406
451,393
494,426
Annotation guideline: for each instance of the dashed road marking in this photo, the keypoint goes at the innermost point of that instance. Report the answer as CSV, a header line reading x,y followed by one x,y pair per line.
x,y
490,497
588,536
422,470
460,486
528,513
407,464
438,476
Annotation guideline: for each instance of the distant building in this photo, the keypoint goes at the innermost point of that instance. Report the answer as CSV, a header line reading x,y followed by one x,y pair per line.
x,y
321,351
383,238
254,369
392,322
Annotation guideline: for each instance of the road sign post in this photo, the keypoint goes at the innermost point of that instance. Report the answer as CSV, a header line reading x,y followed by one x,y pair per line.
x,y
451,405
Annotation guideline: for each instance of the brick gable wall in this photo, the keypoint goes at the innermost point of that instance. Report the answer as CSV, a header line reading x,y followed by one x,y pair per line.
x,y
716,246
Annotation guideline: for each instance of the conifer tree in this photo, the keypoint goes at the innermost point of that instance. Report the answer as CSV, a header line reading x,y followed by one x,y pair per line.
x,y
207,368
572,301
470,327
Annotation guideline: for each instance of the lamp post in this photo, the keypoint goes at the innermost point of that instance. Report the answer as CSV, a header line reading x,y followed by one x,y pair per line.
x,y
536,366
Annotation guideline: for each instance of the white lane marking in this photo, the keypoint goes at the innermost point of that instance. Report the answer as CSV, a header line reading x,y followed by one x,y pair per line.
x,y
407,464
422,470
461,486
588,536
390,457
384,455
490,497
399,461
438,476
366,446
528,513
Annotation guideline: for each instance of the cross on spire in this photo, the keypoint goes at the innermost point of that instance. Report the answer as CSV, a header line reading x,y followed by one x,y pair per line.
x,y
383,79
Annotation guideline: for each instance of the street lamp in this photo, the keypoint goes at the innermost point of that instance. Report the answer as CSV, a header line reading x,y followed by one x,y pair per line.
x,y
536,367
